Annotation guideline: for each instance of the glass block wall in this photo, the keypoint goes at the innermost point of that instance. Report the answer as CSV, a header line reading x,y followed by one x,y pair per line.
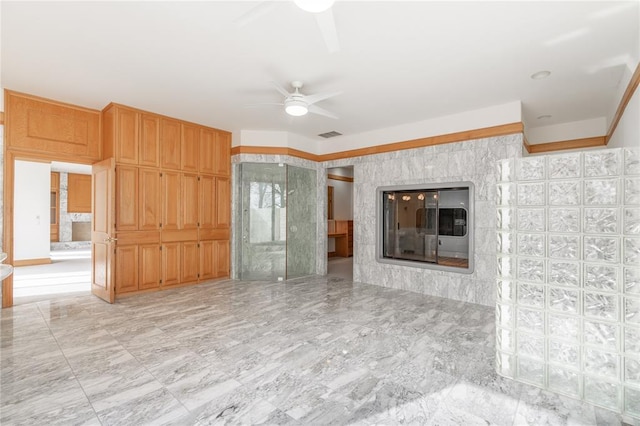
x,y
568,296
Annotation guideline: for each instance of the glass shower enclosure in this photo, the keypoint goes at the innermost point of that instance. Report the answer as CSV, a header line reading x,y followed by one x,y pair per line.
x,y
278,237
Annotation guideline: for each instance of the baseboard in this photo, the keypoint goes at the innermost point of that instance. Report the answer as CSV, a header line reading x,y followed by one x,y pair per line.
x,y
31,262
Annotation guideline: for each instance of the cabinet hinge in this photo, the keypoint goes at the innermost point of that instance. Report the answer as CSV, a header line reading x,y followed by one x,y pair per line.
x,y
160,281
160,174
198,178
160,248
198,245
160,225
198,224
198,275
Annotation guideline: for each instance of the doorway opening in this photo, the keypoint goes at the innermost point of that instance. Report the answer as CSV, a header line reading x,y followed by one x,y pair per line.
x,y
340,222
52,230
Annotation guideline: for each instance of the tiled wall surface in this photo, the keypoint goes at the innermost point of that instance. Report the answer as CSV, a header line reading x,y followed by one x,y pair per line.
x,y
568,308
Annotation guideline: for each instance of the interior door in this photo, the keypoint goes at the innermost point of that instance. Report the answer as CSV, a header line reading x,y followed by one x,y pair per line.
x,y
103,229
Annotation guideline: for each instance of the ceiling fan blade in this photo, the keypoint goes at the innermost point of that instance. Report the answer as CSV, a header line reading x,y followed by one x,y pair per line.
x,y
255,13
321,111
328,29
280,89
312,99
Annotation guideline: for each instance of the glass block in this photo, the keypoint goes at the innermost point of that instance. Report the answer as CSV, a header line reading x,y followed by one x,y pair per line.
x,y
531,320
601,191
564,246
531,245
564,166
632,191
631,341
531,371
531,270
564,193
531,220
531,295
505,365
631,251
631,224
601,277
564,273
564,220
506,170
505,194
564,381
632,370
531,194
506,267
504,315
599,305
564,353
564,300
506,291
632,161
602,392
504,340
506,219
632,281
602,249
601,220
632,401
602,334
601,363
506,243
602,163
562,326
631,310
530,345
530,168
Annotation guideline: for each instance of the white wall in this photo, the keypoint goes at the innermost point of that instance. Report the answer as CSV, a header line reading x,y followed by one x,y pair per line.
x,y
567,131
31,227
627,133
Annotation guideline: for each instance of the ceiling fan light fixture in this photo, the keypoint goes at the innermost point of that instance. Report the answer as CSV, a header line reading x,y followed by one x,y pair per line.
x,y
296,108
314,6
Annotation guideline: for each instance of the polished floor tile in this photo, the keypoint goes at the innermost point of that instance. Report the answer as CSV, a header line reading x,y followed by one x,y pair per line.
x,y
320,350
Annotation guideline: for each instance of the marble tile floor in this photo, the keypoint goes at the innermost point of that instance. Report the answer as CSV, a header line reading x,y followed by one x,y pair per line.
x,y
313,351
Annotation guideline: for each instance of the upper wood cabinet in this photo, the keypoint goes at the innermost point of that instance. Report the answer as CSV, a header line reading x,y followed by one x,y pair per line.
x,y
189,194
207,151
190,148
170,135
78,193
222,155
149,200
171,200
207,196
149,140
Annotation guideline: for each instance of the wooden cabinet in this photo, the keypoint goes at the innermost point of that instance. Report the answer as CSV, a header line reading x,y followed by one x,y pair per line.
x,y
207,151
171,200
150,266
170,134
54,232
171,253
126,269
189,148
126,198
207,200
222,157
149,154
78,193
190,262
214,259
223,203
189,194
223,258
149,197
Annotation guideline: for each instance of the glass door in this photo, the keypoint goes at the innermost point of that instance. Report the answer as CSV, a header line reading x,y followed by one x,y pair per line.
x,y
301,221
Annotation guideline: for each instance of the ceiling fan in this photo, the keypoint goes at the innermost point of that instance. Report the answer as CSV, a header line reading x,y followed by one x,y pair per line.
x,y
320,8
298,104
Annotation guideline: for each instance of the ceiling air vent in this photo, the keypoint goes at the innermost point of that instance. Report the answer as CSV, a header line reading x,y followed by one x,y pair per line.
x,y
330,134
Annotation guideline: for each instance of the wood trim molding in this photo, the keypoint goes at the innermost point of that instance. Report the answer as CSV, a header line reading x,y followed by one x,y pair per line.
x,y
31,262
274,150
626,97
1,118
338,177
562,145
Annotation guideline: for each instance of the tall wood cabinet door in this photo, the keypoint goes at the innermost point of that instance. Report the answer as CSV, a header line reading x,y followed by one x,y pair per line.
x,y
207,151
127,123
171,254
150,266
189,195
208,260
207,190
223,203
190,148
171,196
223,254
190,262
149,141
223,153
126,198
170,144
149,195
126,269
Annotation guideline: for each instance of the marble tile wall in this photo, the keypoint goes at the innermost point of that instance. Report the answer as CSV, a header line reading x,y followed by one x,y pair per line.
x,y
568,310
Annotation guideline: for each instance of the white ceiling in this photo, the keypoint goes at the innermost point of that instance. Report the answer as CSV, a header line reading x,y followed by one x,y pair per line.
x,y
399,62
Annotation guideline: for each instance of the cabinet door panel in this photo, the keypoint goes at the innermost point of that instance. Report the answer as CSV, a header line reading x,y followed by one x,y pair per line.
x,y
126,136
149,141
149,206
208,260
171,204
189,195
207,151
190,262
222,257
223,153
207,189
126,269
223,203
171,264
126,198
170,143
190,148
149,266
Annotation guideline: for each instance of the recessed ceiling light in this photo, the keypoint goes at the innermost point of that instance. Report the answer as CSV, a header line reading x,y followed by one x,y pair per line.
x,y
540,75
544,117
